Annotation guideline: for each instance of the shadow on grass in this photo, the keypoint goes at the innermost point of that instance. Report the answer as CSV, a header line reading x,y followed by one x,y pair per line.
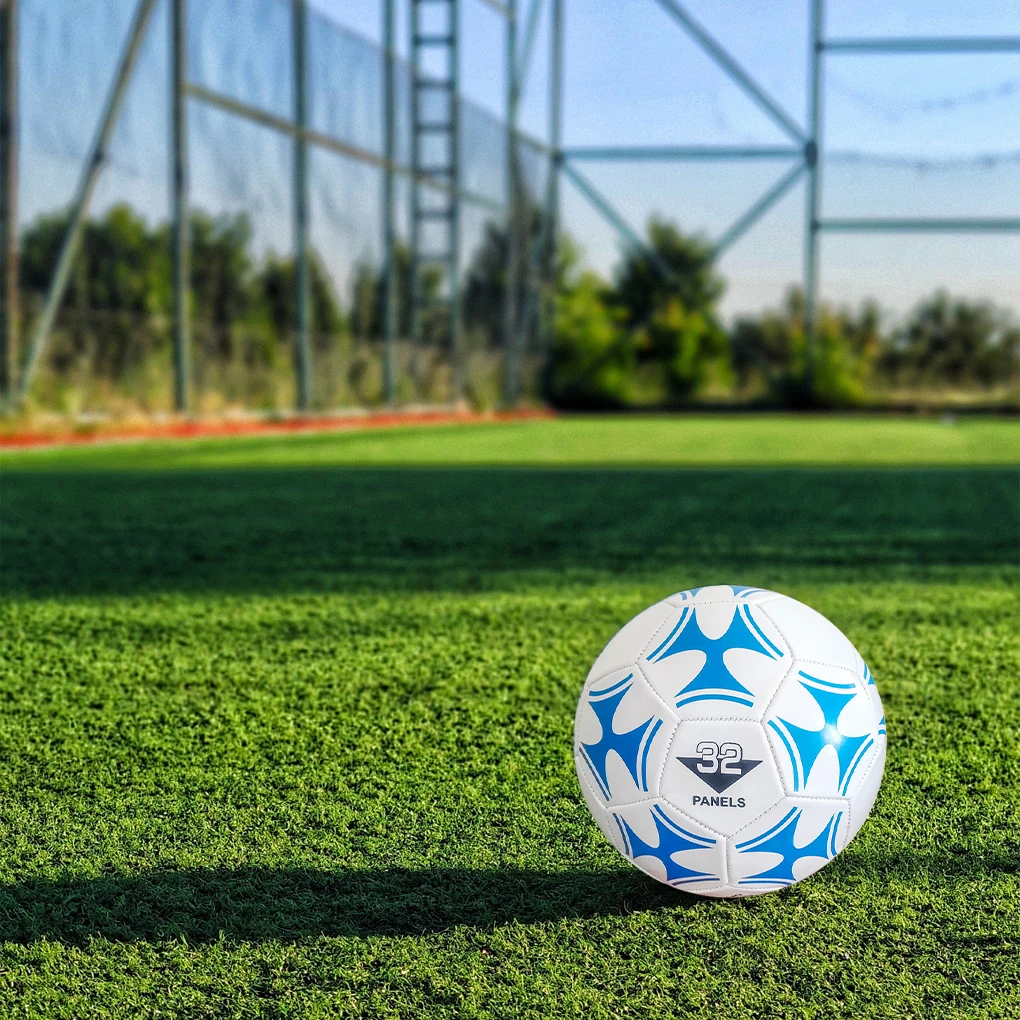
x,y
455,529
264,904
254,904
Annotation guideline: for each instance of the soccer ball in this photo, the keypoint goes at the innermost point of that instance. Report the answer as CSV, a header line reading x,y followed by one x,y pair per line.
x,y
729,741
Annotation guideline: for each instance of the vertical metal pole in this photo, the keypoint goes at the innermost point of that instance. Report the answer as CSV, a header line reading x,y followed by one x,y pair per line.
x,y
389,231
513,218
302,283
456,339
86,187
179,203
416,294
552,198
812,156
9,312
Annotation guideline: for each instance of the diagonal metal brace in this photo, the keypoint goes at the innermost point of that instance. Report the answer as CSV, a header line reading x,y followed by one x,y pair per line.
x,y
615,220
530,31
729,64
96,159
755,213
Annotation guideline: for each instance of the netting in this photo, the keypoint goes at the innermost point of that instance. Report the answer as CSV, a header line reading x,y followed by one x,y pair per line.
x,y
903,136
241,201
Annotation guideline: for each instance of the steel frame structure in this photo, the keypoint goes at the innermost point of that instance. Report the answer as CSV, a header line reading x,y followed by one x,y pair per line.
x,y
521,20
805,149
444,181
9,312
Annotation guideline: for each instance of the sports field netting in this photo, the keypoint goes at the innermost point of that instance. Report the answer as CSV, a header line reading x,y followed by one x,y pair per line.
x,y
903,136
241,189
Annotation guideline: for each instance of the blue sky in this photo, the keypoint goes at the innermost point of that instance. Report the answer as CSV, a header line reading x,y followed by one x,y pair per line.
x,y
932,134
634,77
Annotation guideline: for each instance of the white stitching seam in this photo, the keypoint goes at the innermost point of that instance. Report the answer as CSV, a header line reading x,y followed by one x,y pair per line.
x,y
834,800
867,772
670,709
606,806
591,681
639,803
697,821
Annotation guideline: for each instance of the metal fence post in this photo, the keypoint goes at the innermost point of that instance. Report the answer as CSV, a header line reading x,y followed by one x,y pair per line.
x,y
80,207
9,313
302,282
513,218
179,203
550,255
458,352
812,157
389,310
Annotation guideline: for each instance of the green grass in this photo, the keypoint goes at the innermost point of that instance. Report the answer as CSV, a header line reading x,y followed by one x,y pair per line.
x,y
291,737
594,441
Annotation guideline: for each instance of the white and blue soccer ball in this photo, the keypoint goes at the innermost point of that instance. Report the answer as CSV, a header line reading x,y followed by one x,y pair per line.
x,y
729,741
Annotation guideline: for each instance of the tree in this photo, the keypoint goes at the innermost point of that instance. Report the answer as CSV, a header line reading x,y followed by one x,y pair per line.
x,y
276,284
121,281
121,263
773,347
369,294
956,342
485,281
120,293
668,296
641,287
690,347
224,289
593,356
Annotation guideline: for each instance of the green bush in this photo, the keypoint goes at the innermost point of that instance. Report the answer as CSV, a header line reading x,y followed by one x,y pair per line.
x,y
593,357
954,342
771,353
651,338
691,347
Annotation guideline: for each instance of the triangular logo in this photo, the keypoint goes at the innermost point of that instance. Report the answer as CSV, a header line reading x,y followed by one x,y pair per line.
x,y
720,780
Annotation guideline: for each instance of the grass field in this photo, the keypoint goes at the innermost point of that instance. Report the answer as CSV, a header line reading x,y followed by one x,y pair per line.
x,y
285,724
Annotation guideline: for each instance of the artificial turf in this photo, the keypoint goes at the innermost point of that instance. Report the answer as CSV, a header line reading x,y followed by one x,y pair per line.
x,y
285,725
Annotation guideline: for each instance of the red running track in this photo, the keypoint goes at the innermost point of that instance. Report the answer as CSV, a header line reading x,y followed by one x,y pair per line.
x,y
211,428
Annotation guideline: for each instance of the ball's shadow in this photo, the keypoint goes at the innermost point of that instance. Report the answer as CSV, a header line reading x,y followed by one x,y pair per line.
x,y
255,904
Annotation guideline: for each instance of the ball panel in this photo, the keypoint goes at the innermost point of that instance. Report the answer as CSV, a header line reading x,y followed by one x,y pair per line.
x,y
867,679
863,799
809,635
621,733
789,842
718,652
593,799
721,773
745,592
630,641
671,847
822,731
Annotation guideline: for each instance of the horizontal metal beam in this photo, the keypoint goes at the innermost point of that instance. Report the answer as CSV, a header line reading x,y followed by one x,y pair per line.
x,y
678,153
499,8
933,225
945,44
327,142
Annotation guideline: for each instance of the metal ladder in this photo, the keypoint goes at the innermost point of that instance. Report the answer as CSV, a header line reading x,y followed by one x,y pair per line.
x,y
435,183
